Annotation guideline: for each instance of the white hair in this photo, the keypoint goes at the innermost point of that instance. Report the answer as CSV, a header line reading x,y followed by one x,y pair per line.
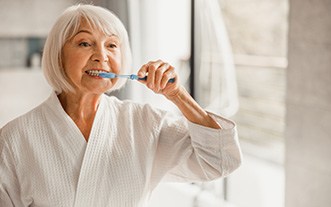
x,y
66,26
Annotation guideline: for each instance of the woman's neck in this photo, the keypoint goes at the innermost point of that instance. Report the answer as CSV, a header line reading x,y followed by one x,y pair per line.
x,y
81,108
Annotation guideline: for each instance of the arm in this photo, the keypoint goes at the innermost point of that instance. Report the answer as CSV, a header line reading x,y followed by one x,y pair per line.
x,y
188,152
159,74
192,110
204,148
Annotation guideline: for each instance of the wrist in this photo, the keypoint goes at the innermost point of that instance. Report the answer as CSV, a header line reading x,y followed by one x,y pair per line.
x,y
176,95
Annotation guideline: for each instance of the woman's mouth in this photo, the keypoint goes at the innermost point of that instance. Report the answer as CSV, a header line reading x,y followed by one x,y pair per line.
x,y
94,72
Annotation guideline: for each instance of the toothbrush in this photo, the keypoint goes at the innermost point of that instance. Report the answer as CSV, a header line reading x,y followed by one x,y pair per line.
x,y
132,76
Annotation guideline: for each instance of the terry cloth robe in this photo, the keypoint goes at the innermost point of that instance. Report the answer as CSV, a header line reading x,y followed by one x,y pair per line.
x,y
45,160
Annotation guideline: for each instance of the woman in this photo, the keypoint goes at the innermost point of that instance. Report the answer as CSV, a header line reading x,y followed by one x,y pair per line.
x,y
83,148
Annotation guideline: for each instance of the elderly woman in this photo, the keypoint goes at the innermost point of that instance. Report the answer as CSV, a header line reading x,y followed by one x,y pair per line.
x,y
83,148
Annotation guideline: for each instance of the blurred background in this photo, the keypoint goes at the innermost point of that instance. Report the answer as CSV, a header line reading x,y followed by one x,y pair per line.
x,y
264,64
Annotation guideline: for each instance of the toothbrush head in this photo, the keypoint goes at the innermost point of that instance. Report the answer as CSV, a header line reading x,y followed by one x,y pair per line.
x,y
107,75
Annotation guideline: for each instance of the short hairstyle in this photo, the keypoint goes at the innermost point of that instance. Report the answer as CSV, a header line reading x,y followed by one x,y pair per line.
x,y
66,26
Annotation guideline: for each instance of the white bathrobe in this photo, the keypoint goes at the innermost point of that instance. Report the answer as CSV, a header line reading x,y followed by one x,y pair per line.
x,y
45,160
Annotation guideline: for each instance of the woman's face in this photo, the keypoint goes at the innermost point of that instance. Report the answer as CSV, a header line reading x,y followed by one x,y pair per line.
x,y
91,50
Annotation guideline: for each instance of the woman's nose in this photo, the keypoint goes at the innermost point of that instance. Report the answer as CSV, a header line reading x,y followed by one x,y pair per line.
x,y
100,55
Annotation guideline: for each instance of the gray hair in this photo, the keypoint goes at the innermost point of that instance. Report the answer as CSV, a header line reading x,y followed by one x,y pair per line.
x,y
66,26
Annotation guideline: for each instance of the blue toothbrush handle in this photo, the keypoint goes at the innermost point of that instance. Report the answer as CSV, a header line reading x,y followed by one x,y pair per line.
x,y
143,79
172,80
132,77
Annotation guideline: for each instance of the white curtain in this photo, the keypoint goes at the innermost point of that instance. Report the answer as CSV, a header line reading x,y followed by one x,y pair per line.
x,y
215,78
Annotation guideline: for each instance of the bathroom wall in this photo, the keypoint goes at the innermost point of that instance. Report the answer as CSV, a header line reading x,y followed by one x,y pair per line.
x,y
20,91
308,140
25,18
24,25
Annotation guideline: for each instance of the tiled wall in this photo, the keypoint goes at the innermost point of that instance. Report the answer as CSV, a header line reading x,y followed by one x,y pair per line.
x,y
308,140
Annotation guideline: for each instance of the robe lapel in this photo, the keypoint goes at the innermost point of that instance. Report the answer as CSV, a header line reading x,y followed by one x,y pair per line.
x,y
66,151
93,160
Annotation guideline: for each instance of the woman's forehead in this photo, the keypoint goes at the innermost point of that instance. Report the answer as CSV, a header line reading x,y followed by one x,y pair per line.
x,y
87,27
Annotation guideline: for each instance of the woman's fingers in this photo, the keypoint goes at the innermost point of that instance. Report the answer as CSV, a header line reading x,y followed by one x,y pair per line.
x,y
159,73
151,75
142,71
167,75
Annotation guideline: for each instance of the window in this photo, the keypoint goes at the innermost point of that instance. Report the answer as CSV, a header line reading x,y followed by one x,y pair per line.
x,y
240,59
258,33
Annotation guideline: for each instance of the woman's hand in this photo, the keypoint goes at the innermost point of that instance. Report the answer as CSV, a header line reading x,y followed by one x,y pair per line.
x,y
159,73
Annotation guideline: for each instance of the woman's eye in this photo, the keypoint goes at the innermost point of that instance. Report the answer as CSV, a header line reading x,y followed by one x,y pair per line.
x,y
84,44
112,45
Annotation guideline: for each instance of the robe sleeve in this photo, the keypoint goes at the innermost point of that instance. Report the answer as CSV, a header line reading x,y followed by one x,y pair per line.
x,y
188,152
9,187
